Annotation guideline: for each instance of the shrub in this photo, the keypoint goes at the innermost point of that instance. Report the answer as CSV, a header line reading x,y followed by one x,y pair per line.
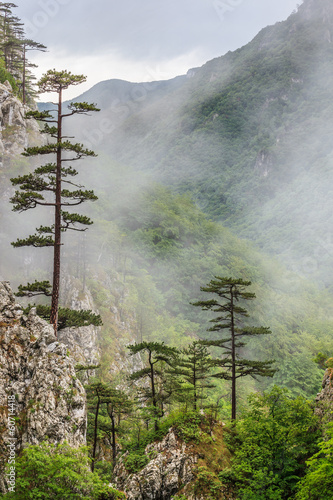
x,y
50,472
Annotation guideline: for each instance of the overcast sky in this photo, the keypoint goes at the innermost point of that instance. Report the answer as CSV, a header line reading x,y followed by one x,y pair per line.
x,y
141,40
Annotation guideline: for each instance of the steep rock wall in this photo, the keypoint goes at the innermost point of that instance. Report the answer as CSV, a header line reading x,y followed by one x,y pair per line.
x,y
15,130
171,465
324,399
174,468
82,341
37,373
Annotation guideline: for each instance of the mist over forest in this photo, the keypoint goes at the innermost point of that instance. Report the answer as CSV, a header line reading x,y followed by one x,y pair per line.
x,y
222,173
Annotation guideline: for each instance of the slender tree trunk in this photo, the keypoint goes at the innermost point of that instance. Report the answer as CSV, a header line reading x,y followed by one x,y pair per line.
x,y
24,71
113,433
57,227
233,357
153,390
84,263
195,387
5,39
114,442
95,436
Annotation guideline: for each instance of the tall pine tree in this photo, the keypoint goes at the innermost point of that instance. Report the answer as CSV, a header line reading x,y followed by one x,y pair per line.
x,y
156,354
45,186
194,371
98,394
27,45
230,319
13,51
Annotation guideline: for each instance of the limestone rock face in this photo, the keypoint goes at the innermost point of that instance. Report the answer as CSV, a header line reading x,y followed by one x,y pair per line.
x,y
324,399
170,468
82,341
14,128
36,373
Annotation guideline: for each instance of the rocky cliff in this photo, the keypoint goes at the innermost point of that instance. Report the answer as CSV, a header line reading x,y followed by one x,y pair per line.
x,y
324,399
82,342
15,130
178,469
171,465
38,386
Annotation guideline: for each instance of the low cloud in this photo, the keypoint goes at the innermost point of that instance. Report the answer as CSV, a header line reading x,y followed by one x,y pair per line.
x,y
110,39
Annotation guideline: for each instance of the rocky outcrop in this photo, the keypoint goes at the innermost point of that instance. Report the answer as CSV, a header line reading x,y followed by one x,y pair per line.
x,y
38,386
263,164
15,130
179,469
324,399
171,467
82,341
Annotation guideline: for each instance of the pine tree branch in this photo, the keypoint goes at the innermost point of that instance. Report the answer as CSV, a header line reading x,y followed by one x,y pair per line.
x,y
25,201
34,240
34,289
80,108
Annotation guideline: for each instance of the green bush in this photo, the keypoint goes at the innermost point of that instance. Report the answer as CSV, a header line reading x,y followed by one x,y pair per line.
x,y
4,75
136,461
274,439
318,481
207,483
188,426
50,472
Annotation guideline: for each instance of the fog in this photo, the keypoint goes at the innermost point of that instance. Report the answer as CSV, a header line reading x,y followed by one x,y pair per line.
x,y
267,187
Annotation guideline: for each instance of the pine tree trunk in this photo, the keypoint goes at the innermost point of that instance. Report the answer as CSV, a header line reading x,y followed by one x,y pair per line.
x,y
233,357
153,391
57,228
95,436
114,443
24,75
195,388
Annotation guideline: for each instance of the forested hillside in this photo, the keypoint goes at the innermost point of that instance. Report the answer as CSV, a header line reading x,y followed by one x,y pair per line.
x,y
209,261
248,135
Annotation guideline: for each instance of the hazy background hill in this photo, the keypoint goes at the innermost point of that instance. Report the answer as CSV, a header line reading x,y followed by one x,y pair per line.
x,y
248,135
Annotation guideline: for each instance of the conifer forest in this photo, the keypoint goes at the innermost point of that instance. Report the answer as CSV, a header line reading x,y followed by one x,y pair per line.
x,y
166,297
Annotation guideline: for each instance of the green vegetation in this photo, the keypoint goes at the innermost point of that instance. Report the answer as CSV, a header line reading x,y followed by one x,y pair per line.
x,y
159,392
52,472
68,318
318,480
193,369
276,435
299,334
153,294
6,76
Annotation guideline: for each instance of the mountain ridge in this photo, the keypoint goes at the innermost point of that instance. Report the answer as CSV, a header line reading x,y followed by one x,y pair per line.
x,y
243,134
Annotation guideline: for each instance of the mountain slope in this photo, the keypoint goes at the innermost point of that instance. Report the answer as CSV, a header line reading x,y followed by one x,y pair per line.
x,y
248,136
233,137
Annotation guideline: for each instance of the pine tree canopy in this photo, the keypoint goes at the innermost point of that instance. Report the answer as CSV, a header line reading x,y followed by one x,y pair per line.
x,y
68,318
33,289
54,81
230,319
